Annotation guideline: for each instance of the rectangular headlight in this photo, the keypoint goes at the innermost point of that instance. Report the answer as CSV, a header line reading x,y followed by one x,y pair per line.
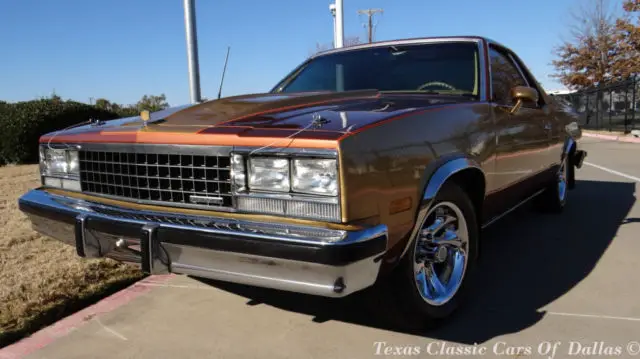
x,y
55,161
73,162
59,162
269,174
315,176
238,172
60,167
302,187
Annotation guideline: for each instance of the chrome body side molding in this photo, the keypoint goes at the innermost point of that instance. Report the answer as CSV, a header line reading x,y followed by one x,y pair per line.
x,y
497,218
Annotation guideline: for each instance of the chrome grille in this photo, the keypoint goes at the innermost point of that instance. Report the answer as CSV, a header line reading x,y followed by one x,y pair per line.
x,y
158,177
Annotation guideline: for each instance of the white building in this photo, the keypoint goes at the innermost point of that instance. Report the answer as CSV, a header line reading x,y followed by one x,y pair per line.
x,y
560,92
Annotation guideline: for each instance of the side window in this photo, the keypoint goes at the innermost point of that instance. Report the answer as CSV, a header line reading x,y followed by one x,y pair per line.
x,y
504,76
532,82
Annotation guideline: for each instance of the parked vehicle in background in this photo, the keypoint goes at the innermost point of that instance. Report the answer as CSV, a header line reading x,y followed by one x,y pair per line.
x,y
376,164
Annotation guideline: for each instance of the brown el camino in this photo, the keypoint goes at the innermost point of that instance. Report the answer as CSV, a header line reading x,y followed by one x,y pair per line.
x,y
377,164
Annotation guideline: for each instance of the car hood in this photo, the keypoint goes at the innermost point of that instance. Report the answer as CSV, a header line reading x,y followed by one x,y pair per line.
x,y
338,112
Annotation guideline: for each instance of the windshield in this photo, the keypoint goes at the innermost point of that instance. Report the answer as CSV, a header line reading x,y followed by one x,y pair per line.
x,y
444,68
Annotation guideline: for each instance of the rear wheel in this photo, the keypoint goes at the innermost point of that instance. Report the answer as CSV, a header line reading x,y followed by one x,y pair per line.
x,y
432,279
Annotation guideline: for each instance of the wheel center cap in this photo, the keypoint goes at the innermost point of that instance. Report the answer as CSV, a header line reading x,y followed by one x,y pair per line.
x,y
441,254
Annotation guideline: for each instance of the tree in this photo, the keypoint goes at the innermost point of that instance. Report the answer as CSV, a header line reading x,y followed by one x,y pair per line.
x,y
589,58
348,41
123,110
351,41
104,104
152,103
628,38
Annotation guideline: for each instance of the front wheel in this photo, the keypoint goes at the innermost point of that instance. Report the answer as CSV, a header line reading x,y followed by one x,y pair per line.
x,y
554,197
433,277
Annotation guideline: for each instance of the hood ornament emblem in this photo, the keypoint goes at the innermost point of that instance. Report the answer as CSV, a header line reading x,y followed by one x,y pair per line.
x,y
318,121
144,115
96,122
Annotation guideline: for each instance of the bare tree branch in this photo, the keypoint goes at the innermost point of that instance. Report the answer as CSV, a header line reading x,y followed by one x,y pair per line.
x,y
589,57
348,41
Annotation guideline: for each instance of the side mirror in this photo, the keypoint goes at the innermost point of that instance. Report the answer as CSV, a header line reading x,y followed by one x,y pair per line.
x,y
521,94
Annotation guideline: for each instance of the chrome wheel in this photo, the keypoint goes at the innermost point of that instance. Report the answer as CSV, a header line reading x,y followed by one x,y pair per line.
x,y
562,181
441,253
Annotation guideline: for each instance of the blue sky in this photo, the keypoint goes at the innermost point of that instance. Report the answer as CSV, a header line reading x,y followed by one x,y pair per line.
x,y
123,49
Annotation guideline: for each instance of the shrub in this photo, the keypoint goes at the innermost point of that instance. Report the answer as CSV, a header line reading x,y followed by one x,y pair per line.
x,y
22,124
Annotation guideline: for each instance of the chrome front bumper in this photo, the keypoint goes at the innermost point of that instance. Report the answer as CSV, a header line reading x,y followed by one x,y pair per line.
x,y
311,260
578,158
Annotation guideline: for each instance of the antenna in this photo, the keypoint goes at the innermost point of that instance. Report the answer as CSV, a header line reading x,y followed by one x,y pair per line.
x,y
223,71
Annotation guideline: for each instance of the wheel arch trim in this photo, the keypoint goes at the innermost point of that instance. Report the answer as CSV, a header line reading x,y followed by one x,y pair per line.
x,y
435,179
569,143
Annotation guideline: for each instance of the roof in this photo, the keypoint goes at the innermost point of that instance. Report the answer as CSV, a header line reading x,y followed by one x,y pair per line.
x,y
409,41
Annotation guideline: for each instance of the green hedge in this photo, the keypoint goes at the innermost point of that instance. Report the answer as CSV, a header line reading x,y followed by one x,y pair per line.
x,y
22,124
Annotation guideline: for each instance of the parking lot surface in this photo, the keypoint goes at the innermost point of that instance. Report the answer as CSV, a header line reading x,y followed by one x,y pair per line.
x,y
549,286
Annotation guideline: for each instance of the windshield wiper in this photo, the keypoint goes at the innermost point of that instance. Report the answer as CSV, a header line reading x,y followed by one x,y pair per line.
x,y
432,92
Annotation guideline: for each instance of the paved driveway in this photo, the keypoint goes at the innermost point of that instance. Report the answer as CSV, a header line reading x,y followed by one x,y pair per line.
x,y
552,285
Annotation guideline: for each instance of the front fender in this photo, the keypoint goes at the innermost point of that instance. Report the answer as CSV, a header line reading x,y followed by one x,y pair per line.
x,y
435,176
571,151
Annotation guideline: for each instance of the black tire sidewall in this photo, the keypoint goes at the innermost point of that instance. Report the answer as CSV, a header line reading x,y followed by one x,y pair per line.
x,y
571,171
558,204
549,201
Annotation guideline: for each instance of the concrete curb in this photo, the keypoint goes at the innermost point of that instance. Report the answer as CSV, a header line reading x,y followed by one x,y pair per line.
x,y
57,330
612,137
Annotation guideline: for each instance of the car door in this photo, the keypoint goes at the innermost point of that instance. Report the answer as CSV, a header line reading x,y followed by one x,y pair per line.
x,y
548,115
522,138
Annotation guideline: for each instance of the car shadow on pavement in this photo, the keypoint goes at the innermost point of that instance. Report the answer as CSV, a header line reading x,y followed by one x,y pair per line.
x,y
528,261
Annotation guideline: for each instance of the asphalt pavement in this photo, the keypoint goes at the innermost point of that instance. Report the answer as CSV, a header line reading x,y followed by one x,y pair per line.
x,y
549,286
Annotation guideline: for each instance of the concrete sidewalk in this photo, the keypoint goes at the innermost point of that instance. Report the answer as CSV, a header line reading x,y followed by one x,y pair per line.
x,y
543,279
611,136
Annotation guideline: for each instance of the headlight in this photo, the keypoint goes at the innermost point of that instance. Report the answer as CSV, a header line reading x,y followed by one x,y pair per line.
x,y
73,162
315,176
294,187
238,171
60,168
269,174
55,161
59,162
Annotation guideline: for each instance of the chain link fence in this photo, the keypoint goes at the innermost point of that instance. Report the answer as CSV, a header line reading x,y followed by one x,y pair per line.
x,y
612,107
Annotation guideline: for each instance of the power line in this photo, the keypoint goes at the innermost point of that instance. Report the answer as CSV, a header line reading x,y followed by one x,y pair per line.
x,y
370,13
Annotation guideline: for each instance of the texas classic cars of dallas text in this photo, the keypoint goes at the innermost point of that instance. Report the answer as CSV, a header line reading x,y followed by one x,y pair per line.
x,y
375,165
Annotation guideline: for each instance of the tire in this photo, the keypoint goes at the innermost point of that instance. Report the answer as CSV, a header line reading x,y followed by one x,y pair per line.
x,y
571,170
554,197
406,306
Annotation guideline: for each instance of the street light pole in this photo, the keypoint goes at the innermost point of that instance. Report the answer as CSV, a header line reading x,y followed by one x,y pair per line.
x,y
332,9
339,24
192,50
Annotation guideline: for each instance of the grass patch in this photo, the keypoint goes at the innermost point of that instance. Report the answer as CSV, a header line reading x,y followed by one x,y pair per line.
x,y
41,279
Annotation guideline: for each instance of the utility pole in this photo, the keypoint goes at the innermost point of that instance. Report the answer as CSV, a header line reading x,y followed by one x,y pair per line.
x,y
370,13
192,50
